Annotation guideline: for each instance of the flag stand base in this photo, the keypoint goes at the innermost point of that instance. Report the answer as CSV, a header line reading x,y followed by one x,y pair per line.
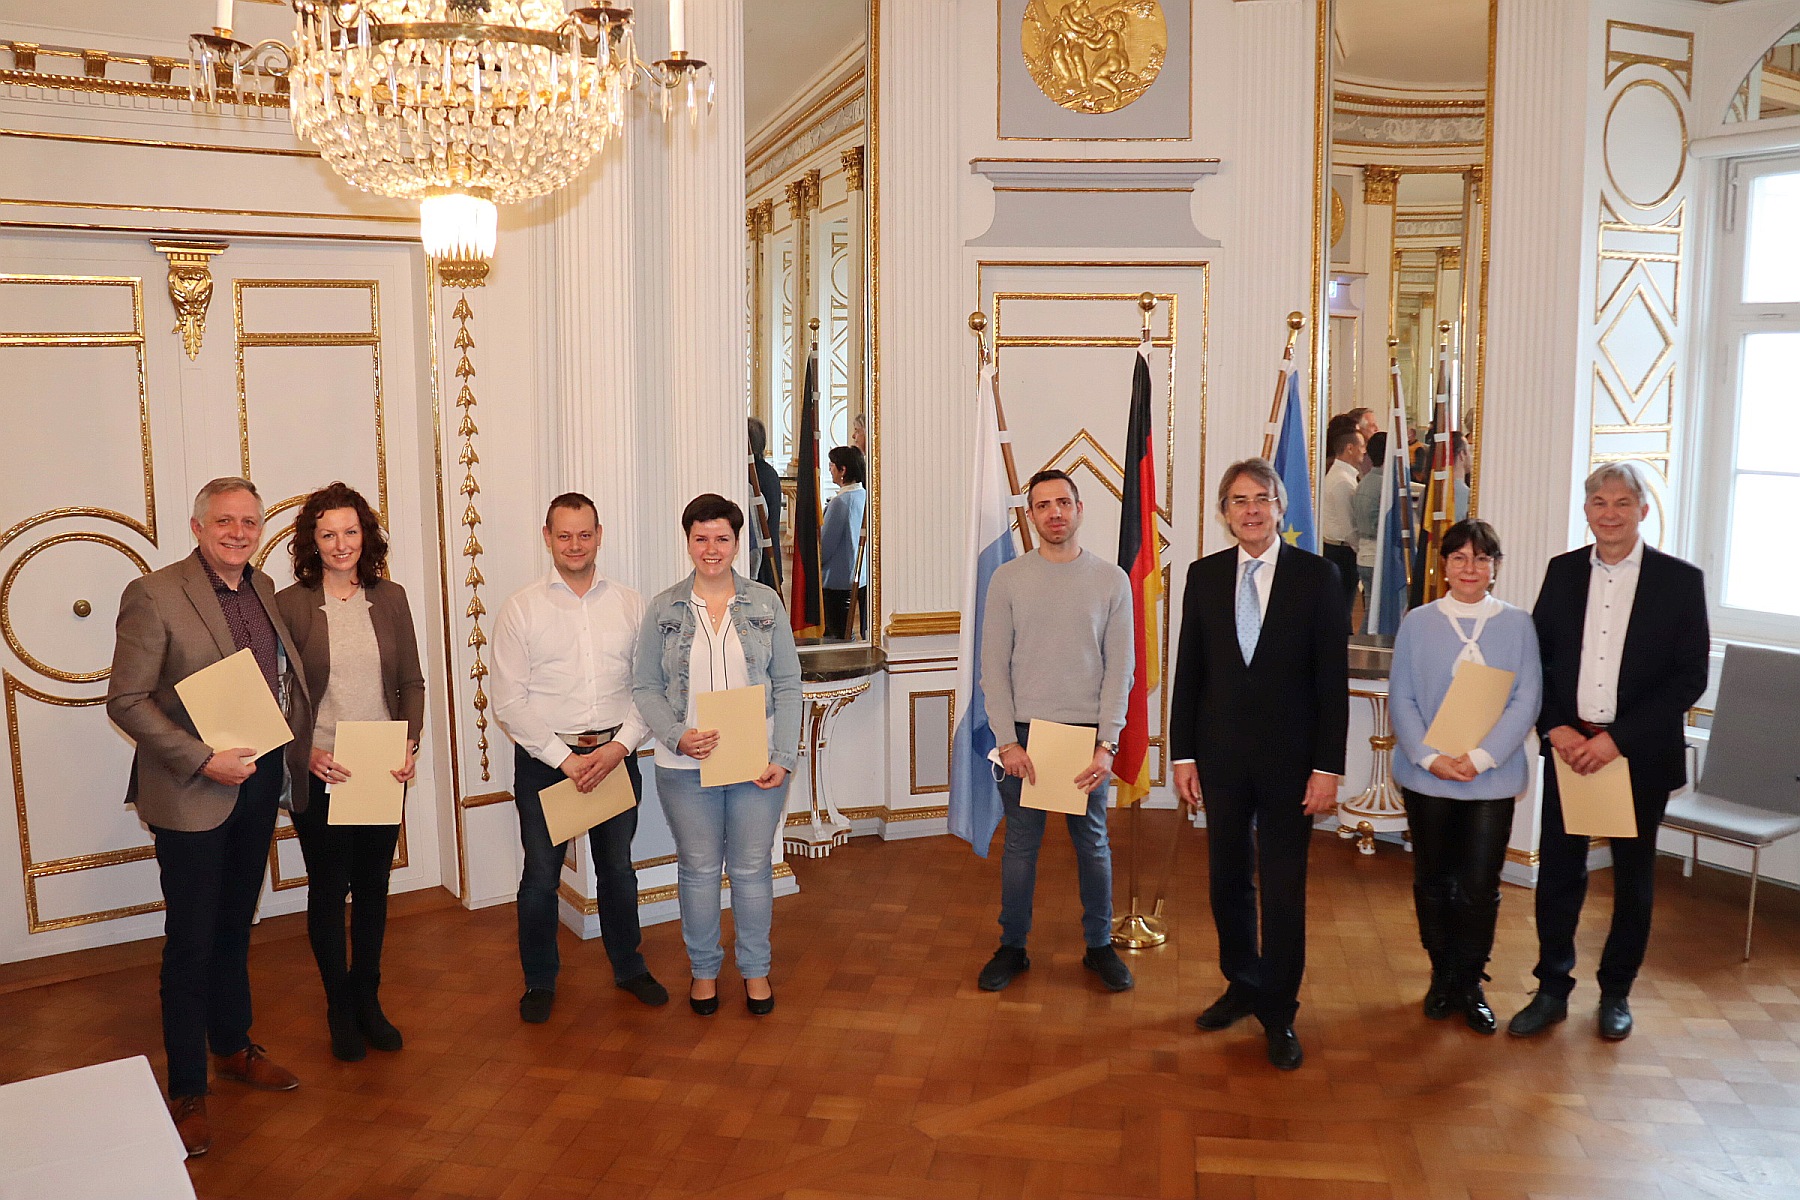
x,y
1135,931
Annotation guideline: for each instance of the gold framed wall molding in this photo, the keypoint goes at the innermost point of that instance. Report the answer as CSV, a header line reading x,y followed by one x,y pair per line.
x,y
924,624
912,739
31,870
12,574
134,338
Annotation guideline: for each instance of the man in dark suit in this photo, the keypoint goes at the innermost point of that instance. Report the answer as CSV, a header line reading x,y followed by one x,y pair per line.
x,y
211,812
1623,633
1257,722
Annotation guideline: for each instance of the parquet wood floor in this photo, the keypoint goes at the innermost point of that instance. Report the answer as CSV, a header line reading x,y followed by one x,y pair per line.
x,y
884,1072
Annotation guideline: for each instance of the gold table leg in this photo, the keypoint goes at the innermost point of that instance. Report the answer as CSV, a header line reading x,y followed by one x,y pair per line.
x,y
1378,808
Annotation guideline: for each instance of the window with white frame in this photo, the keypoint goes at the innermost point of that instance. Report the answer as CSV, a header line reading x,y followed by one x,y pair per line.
x,y
1752,476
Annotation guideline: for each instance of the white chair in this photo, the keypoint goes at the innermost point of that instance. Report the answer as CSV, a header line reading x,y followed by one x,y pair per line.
x,y
1749,791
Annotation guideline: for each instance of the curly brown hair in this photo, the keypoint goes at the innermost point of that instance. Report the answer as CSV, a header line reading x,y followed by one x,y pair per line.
x,y
309,567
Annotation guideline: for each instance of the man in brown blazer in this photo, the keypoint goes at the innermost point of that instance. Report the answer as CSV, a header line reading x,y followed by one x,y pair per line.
x,y
212,813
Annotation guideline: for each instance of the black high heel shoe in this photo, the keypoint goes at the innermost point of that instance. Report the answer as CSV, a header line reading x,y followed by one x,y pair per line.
x,y
706,1007
759,1008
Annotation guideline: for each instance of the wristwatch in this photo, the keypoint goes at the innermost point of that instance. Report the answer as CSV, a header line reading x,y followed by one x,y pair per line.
x,y
1111,748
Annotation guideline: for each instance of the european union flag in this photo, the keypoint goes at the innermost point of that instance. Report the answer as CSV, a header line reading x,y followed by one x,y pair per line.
x,y
1298,527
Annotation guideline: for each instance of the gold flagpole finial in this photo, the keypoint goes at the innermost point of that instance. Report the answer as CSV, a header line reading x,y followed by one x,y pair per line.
x,y
1296,321
978,327
1146,303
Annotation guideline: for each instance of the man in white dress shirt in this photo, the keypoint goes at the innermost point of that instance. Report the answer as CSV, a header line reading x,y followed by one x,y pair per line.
x,y
1337,526
1623,633
562,670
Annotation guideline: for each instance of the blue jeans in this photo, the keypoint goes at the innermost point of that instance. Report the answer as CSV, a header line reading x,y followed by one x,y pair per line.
x,y
615,879
731,829
1018,863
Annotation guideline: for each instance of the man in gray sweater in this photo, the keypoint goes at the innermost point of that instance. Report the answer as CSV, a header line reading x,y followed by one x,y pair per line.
x,y
1056,646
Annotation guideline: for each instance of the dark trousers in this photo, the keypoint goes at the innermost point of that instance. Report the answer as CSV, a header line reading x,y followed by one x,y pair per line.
x,y
1258,833
1459,847
1562,888
342,861
837,610
1343,557
210,884
615,879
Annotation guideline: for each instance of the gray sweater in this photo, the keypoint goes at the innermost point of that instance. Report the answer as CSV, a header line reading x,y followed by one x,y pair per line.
x,y
1056,644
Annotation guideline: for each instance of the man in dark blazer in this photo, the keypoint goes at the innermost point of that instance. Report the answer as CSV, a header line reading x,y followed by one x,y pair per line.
x,y
211,812
1623,633
1257,722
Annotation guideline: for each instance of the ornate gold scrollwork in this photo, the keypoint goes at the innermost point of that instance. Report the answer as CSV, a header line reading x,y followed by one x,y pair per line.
x,y
190,287
1094,56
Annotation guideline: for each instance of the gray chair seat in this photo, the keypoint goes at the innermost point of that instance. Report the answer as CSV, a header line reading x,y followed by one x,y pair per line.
x,y
1712,817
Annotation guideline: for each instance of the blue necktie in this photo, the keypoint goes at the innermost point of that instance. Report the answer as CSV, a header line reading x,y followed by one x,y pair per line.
x,y
1249,611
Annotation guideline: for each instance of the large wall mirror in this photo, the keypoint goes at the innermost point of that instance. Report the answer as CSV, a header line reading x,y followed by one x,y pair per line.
x,y
1405,268
1772,88
807,388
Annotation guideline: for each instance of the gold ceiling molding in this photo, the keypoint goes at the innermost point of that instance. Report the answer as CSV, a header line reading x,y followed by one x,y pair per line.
x,y
96,67
190,287
95,139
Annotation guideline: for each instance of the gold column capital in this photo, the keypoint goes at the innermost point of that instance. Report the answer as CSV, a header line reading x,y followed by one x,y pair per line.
x,y
1450,258
814,190
853,167
190,287
1380,183
796,198
1477,177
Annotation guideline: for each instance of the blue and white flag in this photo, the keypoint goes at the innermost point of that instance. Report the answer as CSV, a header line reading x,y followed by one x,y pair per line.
x,y
975,806
1388,590
1295,471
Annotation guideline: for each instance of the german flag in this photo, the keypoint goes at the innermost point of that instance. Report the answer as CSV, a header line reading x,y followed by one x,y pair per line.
x,y
806,604
1141,559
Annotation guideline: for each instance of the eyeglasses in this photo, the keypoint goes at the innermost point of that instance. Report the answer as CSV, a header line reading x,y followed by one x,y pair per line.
x,y
1463,559
1240,503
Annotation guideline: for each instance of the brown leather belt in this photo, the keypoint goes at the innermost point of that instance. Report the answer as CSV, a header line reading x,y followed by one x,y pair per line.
x,y
1591,729
593,739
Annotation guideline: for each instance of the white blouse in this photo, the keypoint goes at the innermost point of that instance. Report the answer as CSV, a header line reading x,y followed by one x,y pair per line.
x,y
715,664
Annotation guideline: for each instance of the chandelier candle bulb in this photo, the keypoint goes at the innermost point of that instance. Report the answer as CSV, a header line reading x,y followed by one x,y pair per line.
x,y
677,27
222,18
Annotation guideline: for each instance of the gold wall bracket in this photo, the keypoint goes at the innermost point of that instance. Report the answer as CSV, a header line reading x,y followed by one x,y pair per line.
x,y
190,287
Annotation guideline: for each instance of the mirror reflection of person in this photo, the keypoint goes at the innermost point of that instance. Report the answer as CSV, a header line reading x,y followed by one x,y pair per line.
x,y
360,656
1257,718
1337,529
712,631
763,559
1056,645
1365,519
843,568
211,812
859,434
562,681
1460,810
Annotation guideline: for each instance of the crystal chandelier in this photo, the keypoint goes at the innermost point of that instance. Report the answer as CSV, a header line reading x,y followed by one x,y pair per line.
x,y
461,105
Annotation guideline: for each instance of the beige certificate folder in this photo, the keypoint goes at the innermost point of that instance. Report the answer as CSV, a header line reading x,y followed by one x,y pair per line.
x,y
1058,754
1470,710
739,714
231,706
371,751
1597,805
570,813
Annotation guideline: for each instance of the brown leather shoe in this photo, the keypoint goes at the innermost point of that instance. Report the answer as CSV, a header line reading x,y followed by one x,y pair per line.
x,y
189,1113
251,1065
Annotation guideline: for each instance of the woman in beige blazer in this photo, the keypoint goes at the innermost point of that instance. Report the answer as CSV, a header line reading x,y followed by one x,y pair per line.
x,y
360,660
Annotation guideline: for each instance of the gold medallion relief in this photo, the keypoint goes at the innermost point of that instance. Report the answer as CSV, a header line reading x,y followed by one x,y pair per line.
x,y
1094,56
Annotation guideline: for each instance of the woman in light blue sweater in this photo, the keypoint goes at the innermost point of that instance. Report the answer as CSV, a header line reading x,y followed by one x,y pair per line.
x,y
1461,809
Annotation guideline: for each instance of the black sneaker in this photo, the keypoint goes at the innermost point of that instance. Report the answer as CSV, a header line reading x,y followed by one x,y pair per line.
x,y
1105,961
646,989
1007,963
534,1005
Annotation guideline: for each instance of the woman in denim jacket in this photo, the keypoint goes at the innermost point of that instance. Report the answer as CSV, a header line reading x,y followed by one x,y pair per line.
x,y
712,631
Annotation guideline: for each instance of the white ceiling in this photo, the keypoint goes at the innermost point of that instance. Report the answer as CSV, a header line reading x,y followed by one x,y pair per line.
x,y
1436,43
787,43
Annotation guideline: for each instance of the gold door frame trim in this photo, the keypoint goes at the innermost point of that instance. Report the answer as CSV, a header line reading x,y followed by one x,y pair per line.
x,y
912,741
33,871
12,574
370,339
136,339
